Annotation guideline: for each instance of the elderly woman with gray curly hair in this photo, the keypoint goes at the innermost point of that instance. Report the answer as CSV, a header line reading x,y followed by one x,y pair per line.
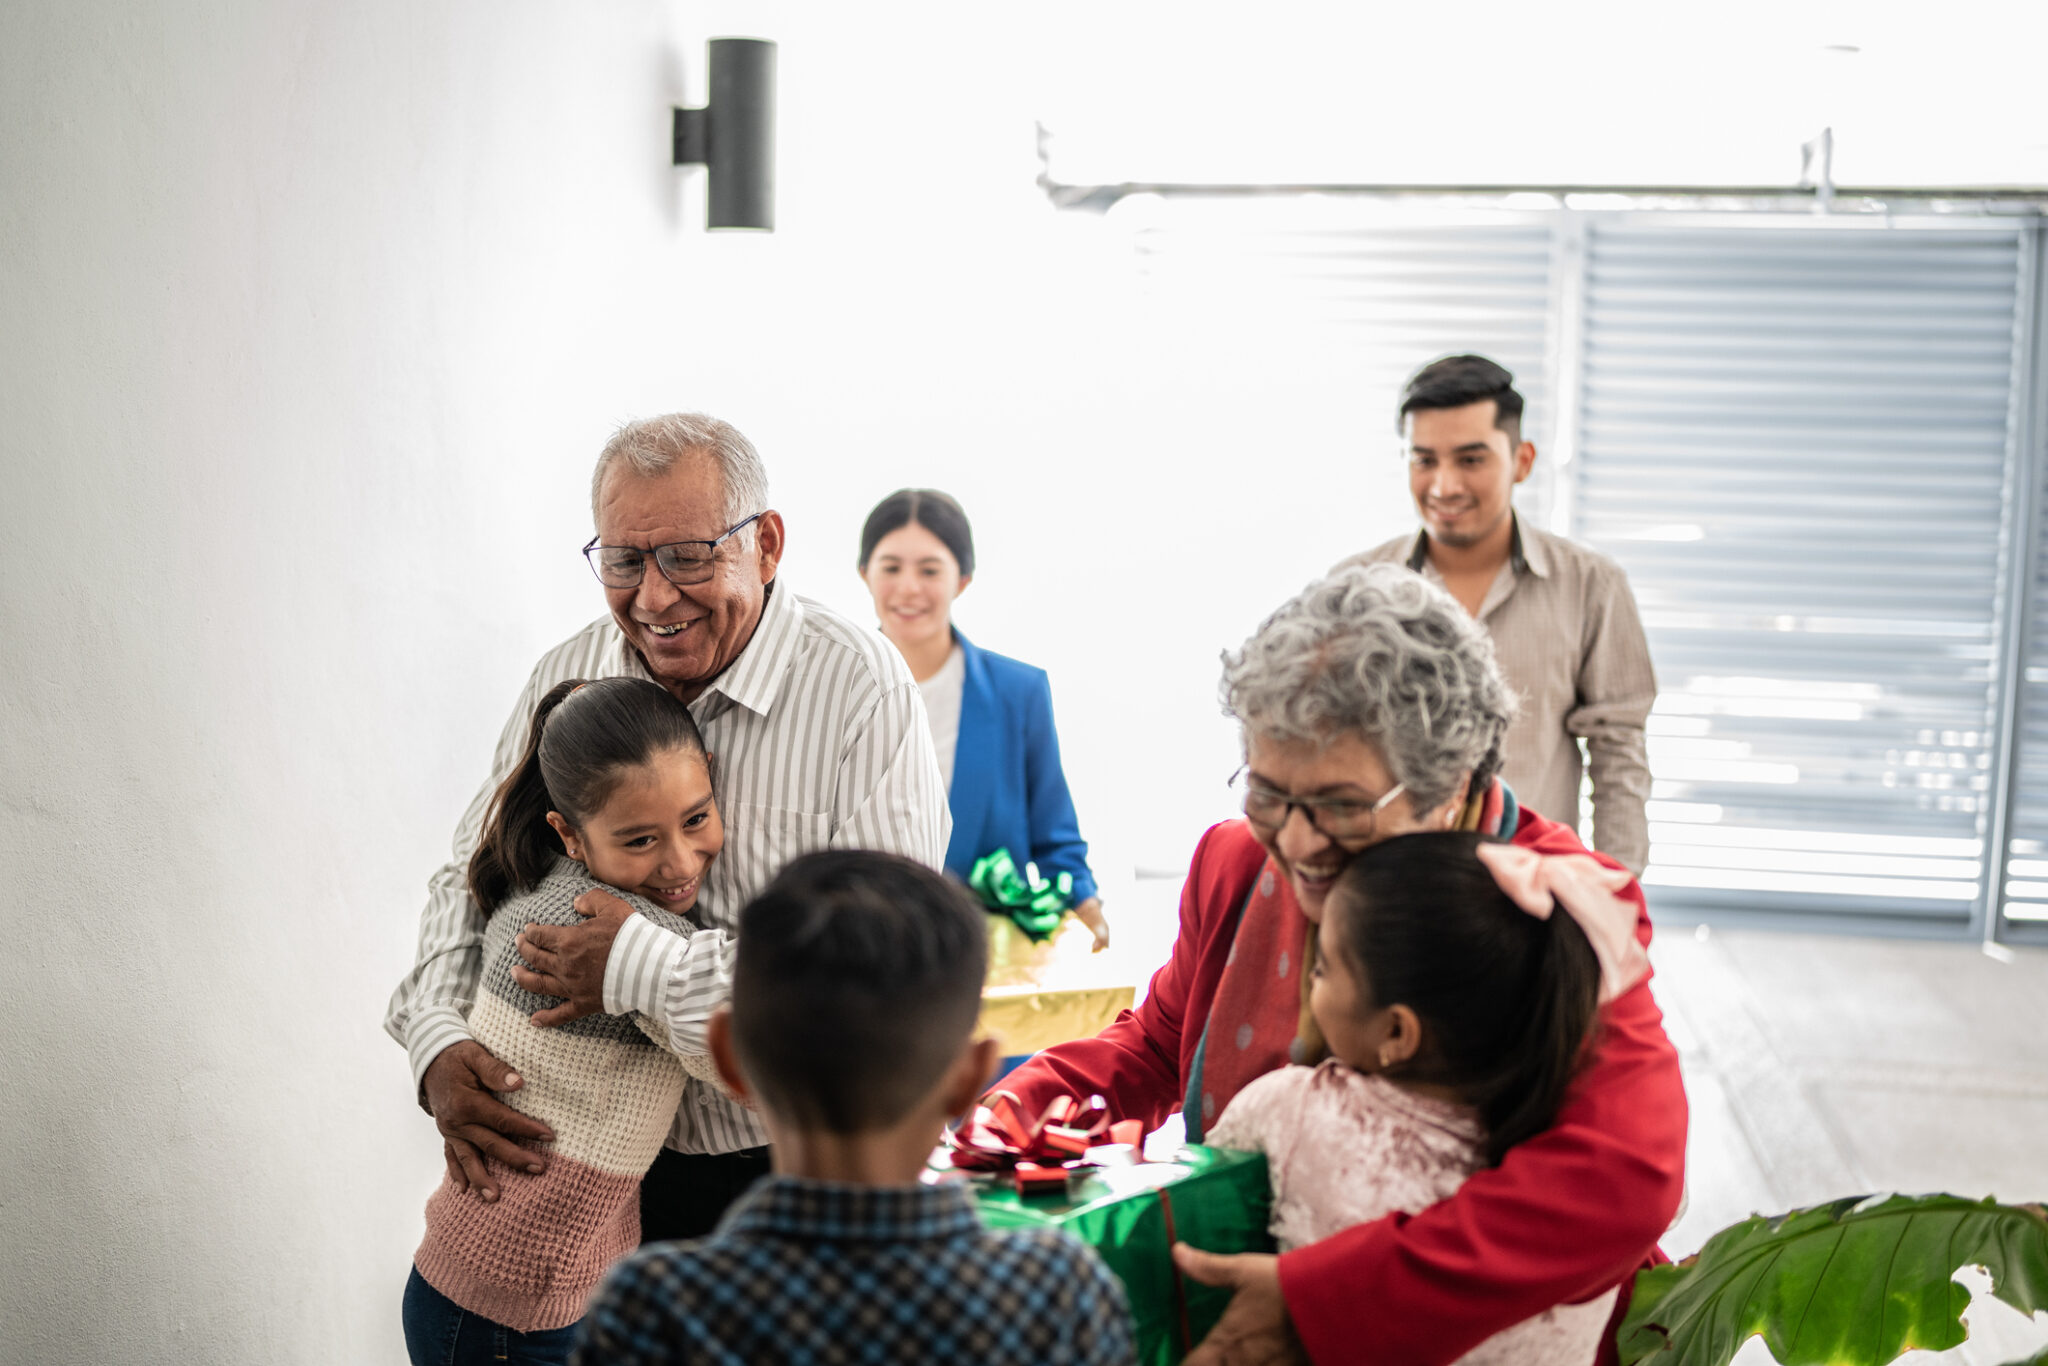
x,y
1371,707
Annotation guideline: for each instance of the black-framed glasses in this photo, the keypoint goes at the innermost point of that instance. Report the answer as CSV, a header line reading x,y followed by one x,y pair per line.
x,y
680,562
1339,819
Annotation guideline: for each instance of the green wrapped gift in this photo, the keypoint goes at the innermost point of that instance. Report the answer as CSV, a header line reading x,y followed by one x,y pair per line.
x,y
1212,1198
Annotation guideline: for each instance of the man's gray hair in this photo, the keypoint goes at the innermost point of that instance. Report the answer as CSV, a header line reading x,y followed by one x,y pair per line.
x,y
1379,652
652,445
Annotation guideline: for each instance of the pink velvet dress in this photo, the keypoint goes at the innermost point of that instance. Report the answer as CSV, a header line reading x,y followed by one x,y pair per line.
x,y
1345,1148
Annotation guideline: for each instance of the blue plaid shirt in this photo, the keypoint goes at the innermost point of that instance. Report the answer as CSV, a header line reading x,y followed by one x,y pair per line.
x,y
815,1273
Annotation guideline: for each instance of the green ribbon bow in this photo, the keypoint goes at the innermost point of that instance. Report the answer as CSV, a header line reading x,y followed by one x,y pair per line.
x,y
1034,904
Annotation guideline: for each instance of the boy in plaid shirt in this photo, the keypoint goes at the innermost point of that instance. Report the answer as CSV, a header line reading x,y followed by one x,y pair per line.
x,y
855,995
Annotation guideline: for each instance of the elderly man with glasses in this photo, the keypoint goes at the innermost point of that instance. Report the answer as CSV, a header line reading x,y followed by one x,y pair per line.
x,y
821,742
1371,707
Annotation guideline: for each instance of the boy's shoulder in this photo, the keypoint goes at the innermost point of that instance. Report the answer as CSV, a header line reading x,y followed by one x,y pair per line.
x,y
991,1258
663,1268
1049,1297
1056,1256
649,1308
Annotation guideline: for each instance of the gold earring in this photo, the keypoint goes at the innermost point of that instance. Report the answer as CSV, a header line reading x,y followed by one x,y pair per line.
x,y
1386,1056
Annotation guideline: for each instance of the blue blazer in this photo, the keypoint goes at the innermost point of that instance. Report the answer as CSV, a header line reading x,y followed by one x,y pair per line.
x,y
1009,791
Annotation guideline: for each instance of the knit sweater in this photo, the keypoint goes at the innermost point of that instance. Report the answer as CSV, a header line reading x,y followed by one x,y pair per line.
x,y
606,1084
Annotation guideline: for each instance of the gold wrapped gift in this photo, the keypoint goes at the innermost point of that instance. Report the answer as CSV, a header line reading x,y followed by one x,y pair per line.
x,y
1042,994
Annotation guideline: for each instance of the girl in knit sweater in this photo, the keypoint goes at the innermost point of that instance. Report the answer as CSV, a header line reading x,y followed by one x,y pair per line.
x,y
614,791
1456,1008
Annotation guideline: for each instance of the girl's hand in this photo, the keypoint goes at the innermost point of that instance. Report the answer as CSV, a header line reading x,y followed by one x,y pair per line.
x,y
1255,1329
1089,913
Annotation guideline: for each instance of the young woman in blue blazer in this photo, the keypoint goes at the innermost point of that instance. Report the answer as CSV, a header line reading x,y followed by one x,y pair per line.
x,y
991,715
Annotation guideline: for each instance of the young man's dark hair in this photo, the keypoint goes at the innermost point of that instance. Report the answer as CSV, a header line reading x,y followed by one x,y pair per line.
x,y
858,979
1456,381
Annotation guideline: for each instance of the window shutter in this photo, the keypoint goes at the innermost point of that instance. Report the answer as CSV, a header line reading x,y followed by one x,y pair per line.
x,y
1316,314
1794,440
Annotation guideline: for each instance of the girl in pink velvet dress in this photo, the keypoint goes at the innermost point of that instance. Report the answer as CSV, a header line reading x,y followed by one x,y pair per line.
x,y
1456,1008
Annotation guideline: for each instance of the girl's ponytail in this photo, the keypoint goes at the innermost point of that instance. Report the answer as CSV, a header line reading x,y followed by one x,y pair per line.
x,y
518,846
1527,1092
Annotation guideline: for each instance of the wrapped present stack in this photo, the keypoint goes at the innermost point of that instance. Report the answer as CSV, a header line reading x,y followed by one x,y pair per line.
x,y
1076,1170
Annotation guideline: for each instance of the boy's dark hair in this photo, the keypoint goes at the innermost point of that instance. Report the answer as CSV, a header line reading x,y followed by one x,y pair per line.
x,y
1507,1001
936,512
857,980
577,749
1456,381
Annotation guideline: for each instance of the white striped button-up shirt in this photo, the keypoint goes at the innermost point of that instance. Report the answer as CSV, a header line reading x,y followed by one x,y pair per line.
x,y
821,742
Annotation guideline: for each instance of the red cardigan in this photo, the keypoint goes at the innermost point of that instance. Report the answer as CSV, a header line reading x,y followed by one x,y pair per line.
x,y
1568,1214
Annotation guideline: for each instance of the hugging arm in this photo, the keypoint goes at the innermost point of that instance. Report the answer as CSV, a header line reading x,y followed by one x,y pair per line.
x,y
1565,1216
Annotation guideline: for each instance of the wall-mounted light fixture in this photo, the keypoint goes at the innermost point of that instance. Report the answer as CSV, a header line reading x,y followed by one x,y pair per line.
x,y
734,135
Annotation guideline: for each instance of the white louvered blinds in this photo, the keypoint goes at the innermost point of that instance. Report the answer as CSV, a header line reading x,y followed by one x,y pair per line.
x,y
1255,392
1795,440
1796,434
1316,315
2026,887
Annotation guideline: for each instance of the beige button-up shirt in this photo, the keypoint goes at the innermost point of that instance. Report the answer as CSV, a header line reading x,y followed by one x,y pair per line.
x,y
1568,639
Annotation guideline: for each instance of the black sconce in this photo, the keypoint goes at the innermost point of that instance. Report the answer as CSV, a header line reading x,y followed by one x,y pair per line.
x,y
734,135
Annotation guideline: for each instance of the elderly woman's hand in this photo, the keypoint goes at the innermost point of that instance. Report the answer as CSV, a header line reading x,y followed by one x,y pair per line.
x,y
1255,1329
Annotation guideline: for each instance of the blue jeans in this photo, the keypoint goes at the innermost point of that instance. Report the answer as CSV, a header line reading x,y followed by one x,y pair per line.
x,y
440,1332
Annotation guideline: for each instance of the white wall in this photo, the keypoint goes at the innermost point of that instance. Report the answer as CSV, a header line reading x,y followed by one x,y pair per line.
x,y
1585,92
312,317
311,320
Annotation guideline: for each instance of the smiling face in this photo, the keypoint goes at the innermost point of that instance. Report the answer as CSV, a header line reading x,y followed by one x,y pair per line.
x,y
687,634
1353,1027
1361,1032
1345,768
913,579
656,834
1462,470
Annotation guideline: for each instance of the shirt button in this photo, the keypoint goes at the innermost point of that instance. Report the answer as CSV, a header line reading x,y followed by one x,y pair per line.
x,y
704,1100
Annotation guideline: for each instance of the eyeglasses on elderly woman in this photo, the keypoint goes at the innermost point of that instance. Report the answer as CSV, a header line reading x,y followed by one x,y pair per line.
x,y
1341,819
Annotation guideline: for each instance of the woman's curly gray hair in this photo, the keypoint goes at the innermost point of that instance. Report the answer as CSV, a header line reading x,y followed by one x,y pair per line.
x,y
1378,651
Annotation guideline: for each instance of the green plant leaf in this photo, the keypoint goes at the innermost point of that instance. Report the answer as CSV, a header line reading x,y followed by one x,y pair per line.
x,y
1854,1283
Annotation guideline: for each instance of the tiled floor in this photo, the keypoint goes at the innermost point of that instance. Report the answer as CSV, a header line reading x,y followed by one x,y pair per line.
x,y
1820,1066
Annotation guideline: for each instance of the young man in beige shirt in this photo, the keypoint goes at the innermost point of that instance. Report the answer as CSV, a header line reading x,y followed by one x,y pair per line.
x,y
1563,621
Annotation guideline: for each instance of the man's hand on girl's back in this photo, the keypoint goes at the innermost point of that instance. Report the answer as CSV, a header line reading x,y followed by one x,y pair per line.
x,y
459,1088
568,961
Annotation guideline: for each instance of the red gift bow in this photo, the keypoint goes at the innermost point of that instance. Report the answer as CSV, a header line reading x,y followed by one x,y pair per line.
x,y
1053,1148
1056,1141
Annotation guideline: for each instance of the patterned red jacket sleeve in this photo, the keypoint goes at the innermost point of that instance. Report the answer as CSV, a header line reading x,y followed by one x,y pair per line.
x,y
1566,1215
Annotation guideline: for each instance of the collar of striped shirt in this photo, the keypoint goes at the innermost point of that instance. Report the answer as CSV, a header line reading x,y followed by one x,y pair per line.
x,y
756,678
